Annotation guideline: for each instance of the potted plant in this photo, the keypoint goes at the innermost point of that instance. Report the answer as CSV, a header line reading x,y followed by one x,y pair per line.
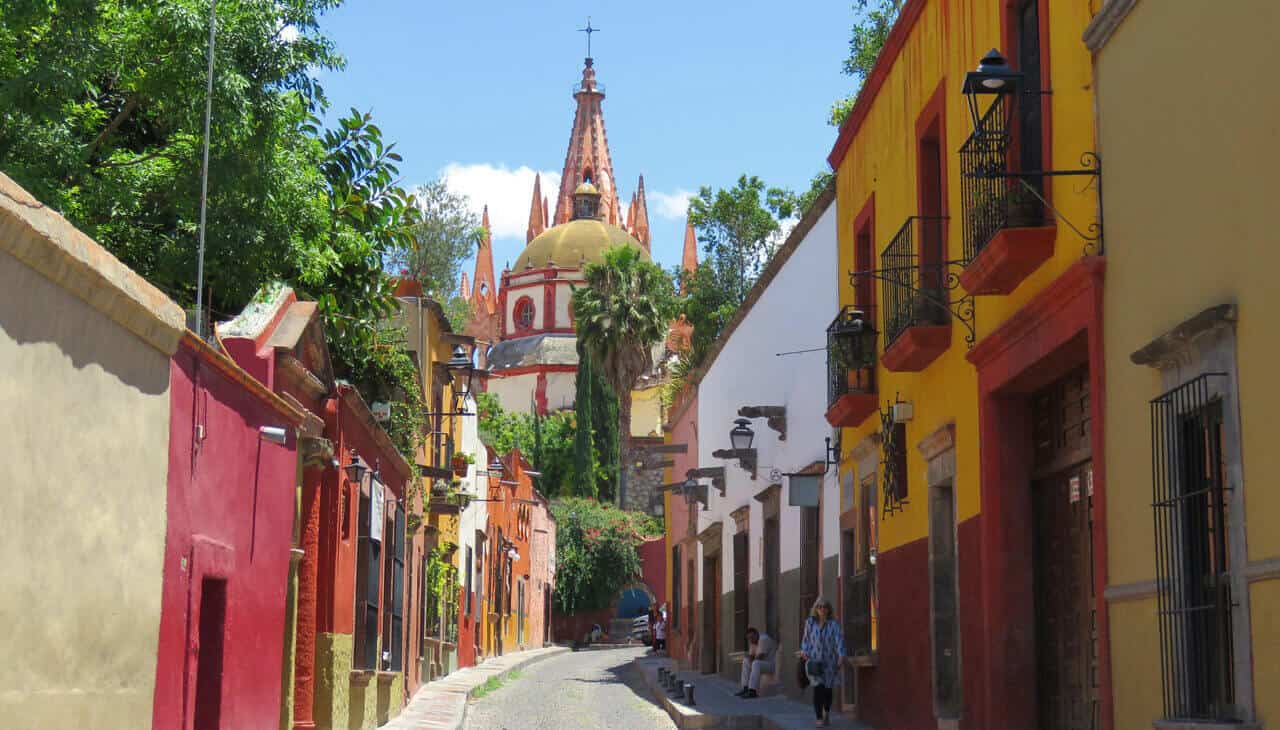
x,y
1023,208
460,463
439,488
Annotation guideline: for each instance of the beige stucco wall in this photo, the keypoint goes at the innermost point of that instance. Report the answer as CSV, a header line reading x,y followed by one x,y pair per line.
x,y
84,402
1189,150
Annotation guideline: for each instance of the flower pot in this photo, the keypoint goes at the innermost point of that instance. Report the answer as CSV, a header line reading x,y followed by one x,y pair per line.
x,y
460,465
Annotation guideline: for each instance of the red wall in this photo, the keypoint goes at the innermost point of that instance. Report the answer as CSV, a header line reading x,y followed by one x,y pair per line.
x,y
653,568
684,430
230,516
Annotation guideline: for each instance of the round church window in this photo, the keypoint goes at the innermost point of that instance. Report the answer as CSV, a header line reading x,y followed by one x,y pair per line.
x,y
524,313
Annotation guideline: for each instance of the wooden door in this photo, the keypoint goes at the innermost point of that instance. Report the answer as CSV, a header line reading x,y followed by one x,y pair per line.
x,y
1066,653
944,598
710,614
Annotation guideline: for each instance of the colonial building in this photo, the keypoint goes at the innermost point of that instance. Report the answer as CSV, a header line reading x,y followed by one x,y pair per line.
x,y
754,526
966,372
1193,580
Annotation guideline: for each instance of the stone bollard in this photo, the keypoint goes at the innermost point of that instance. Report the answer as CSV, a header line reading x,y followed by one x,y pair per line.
x,y
688,693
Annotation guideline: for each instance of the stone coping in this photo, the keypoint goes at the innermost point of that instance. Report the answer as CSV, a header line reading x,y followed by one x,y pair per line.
x,y
43,240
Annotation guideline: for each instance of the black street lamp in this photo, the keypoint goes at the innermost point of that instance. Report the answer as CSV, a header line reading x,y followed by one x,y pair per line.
x,y
993,77
741,435
460,365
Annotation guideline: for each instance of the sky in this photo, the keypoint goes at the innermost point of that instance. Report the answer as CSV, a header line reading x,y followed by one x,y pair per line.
x,y
698,92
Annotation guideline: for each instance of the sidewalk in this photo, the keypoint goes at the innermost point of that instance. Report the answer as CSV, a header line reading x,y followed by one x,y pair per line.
x,y
716,707
442,704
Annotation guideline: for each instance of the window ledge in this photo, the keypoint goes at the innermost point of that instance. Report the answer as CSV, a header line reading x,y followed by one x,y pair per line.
x,y
387,677
361,677
1203,725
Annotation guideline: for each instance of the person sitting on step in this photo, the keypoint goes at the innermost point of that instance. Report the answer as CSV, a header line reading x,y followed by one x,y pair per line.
x,y
760,659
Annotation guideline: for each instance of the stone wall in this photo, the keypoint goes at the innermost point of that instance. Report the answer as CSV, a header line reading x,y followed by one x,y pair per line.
x,y
643,483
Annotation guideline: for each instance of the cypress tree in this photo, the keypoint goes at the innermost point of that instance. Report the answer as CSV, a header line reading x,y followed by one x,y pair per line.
x,y
584,452
604,406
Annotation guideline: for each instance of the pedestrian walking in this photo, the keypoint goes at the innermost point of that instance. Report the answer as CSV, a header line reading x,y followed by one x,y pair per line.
x,y
760,659
660,632
823,651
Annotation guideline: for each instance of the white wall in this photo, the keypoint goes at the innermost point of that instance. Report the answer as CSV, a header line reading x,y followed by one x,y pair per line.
x,y
474,516
516,392
564,297
791,314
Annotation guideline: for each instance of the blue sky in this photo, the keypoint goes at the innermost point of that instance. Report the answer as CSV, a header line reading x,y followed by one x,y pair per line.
x,y
698,92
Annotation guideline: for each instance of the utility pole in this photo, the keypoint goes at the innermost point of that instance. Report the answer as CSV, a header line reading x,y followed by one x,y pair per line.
x,y
204,173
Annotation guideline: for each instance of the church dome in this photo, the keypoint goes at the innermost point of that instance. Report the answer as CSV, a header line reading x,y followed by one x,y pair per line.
x,y
569,244
586,188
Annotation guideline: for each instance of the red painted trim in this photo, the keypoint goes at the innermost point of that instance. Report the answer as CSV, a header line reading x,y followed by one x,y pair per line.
x,y
535,369
520,328
907,18
1059,328
864,291
548,306
932,122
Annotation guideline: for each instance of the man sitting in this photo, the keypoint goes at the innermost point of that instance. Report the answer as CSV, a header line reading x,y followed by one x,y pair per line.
x,y
761,653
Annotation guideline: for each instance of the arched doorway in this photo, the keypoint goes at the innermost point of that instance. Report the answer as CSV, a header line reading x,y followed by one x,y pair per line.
x,y
634,601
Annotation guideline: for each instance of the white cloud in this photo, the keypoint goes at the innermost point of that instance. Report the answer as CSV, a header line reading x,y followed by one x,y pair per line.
x,y
673,206
508,193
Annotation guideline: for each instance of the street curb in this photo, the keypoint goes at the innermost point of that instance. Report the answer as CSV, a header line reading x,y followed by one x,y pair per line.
x,y
686,717
471,693
445,706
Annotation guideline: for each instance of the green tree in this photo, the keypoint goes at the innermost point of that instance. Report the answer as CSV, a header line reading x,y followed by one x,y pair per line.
x,y
585,463
622,312
604,428
101,117
739,229
547,442
596,552
875,20
443,240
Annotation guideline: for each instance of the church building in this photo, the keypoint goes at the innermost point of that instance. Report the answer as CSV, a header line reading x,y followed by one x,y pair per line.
x,y
526,319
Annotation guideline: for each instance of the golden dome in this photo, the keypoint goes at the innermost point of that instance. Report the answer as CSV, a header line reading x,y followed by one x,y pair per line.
x,y
568,244
586,188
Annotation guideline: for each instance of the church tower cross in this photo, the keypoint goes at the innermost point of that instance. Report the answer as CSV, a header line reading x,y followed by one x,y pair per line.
x,y
588,30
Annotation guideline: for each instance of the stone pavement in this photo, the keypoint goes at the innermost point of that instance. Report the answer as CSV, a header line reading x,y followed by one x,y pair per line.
x,y
716,707
442,704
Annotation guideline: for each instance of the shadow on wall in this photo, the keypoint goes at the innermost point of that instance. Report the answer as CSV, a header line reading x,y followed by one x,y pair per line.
x,y
34,310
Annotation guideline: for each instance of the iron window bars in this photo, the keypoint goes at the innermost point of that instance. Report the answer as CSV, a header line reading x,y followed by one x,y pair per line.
x,y
918,283
893,445
1192,568
851,353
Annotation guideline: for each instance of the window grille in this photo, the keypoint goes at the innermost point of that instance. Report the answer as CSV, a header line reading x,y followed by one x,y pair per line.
x,y
740,587
676,565
395,613
367,575
1192,561
913,277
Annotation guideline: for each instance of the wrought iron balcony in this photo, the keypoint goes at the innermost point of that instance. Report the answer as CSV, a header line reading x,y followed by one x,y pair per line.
x,y
919,295
993,201
913,277
851,367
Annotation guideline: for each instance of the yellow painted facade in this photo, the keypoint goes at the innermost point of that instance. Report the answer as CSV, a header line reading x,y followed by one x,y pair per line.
x,y
1190,157
944,43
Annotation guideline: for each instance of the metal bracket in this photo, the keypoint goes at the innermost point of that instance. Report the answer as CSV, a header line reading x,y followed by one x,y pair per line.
x,y
1090,166
961,308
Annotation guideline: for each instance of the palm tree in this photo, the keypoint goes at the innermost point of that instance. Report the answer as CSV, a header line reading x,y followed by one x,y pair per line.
x,y
623,311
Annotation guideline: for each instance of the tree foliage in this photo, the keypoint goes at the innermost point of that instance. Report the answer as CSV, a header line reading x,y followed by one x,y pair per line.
x,y
595,451
546,441
739,229
101,117
444,239
596,552
621,313
875,20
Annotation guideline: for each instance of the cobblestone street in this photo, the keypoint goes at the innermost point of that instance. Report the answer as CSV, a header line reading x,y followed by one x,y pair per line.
x,y
578,690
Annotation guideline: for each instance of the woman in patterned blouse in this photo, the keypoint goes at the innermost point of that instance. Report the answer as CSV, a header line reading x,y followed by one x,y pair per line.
x,y
823,650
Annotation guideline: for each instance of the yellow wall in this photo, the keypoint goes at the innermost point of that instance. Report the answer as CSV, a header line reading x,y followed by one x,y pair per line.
x,y
646,412
1190,158
946,42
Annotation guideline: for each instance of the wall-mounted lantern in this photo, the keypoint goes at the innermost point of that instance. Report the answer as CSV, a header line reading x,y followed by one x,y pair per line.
x,y
356,469
993,77
741,435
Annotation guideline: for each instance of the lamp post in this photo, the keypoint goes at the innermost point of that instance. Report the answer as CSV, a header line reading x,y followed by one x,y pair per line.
x,y
356,469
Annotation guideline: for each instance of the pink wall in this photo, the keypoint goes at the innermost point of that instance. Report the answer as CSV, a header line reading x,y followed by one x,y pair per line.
x,y
684,430
230,517
653,567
